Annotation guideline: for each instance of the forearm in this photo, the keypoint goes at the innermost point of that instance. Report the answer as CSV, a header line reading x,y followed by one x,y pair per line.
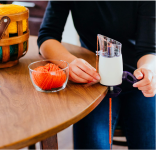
x,y
148,62
79,70
53,49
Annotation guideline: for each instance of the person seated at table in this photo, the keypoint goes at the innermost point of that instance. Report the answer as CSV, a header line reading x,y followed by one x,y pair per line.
x,y
132,24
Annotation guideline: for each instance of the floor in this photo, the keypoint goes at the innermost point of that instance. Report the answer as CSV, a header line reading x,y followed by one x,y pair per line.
x,y
65,141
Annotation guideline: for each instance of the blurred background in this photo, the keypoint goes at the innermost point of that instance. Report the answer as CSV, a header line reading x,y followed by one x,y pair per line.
x,y
36,13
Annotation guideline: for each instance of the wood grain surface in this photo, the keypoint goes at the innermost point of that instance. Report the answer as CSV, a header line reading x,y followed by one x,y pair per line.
x,y
15,40
28,116
6,48
20,32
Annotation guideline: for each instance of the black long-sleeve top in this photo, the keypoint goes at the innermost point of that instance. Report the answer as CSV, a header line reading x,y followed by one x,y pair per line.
x,y
130,22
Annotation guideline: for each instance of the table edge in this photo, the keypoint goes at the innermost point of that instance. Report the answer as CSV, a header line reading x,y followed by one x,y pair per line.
x,y
52,131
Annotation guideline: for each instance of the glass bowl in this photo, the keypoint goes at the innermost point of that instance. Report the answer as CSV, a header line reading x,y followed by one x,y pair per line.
x,y
49,75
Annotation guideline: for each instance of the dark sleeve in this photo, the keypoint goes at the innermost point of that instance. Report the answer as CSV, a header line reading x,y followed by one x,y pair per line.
x,y
145,37
53,21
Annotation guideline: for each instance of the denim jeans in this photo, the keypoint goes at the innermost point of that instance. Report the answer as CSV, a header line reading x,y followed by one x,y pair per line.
x,y
137,118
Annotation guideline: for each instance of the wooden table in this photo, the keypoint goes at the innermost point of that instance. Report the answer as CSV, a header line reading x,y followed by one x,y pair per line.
x,y
28,116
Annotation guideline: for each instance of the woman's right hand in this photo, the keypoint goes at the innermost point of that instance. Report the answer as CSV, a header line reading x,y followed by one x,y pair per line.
x,y
80,71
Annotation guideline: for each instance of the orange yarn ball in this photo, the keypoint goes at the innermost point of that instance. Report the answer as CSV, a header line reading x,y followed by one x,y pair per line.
x,y
48,76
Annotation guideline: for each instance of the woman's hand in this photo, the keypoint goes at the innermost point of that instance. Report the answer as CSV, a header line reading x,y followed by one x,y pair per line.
x,y
81,71
148,83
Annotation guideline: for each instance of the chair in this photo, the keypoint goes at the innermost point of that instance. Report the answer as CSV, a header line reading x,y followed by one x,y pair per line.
x,y
119,133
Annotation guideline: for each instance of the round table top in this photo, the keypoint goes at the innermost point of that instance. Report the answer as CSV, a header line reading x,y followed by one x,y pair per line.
x,y
28,116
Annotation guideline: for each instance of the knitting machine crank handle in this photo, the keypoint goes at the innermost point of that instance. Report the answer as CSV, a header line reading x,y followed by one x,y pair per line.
x,y
127,74
116,90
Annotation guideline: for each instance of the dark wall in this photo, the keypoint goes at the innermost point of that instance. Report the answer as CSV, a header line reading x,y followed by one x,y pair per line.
x,y
2,2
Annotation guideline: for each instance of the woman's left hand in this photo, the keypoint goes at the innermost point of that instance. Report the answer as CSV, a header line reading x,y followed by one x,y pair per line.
x,y
147,83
